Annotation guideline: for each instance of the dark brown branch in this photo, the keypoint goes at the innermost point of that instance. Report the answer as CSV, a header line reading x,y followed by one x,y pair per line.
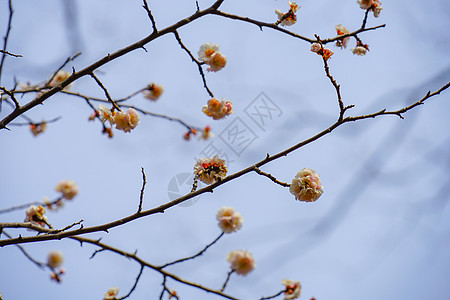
x,y
271,177
108,58
226,280
69,59
10,54
210,188
37,263
26,205
5,39
271,297
365,18
194,256
108,96
134,285
141,196
150,16
199,64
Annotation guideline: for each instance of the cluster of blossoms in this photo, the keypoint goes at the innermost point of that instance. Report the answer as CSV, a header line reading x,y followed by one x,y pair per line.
x,y
210,55
306,186
373,5
153,91
288,18
229,219
205,134
341,30
59,77
125,121
54,261
242,261
35,215
292,290
218,109
111,293
39,128
68,188
324,52
210,170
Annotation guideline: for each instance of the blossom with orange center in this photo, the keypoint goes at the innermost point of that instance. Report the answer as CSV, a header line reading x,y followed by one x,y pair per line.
x,y
327,53
153,91
217,62
229,219
68,188
59,77
111,293
218,109
127,121
242,261
206,51
306,186
55,259
105,114
293,289
35,215
206,133
341,30
373,5
210,170
288,18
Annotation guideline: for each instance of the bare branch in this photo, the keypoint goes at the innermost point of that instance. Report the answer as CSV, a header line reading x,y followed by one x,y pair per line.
x,y
271,297
150,16
108,96
194,256
227,280
141,197
5,39
10,54
40,265
271,177
134,285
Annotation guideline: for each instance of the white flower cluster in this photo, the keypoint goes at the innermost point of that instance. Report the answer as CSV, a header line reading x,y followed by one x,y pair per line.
x,y
210,170
125,121
229,219
306,186
209,54
242,261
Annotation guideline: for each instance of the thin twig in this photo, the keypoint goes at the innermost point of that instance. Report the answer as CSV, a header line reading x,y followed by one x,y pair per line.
x,y
194,256
108,96
226,280
271,177
67,227
141,197
150,16
37,263
365,18
69,59
199,64
134,285
5,39
271,297
26,205
10,54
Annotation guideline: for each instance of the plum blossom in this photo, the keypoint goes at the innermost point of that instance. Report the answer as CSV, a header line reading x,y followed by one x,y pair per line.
x,y
288,18
206,133
111,293
105,114
55,259
374,5
153,91
327,53
218,109
316,47
229,219
324,52
59,77
217,62
341,30
68,188
306,186
210,170
206,51
126,121
39,128
359,50
242,261
35,215
293,289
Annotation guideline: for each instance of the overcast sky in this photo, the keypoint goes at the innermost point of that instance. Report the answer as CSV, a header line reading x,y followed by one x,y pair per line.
x,y
381,228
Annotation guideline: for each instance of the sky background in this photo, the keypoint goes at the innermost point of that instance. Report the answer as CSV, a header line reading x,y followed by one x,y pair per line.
x,y
381,230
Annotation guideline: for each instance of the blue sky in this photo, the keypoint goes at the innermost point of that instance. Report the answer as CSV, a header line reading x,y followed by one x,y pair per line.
x,y
379,231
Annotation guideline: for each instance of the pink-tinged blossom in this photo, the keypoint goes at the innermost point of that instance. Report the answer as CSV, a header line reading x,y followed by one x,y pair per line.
x,y
126,121
111,293
218,109
288,18
68,188
341,30
242,261
306,186
35,215
206,51
374,5
59,77
210,170
55,259
316,47
37,129
229,219
153,91
292,290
